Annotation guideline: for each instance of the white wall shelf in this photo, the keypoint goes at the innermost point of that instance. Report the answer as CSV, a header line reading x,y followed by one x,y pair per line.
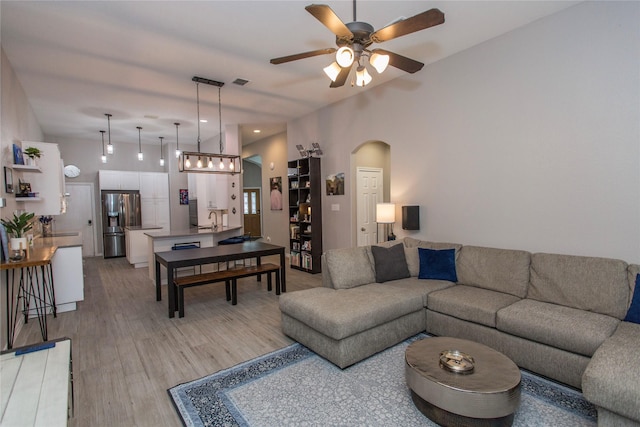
x,y
27,168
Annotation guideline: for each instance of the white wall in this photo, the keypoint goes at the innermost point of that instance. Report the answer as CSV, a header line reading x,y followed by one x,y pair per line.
x,y
275,224
529,141
18,123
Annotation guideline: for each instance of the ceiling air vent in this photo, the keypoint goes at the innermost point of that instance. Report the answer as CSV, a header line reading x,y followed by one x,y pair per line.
x,y
240,82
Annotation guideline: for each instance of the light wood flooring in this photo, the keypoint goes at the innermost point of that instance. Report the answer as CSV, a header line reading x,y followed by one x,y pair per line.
x,y
127,352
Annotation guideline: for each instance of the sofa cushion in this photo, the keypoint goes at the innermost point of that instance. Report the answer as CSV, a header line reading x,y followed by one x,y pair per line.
x,y
437,264
390,263
340,313
470,303
633,314
587,283
501,270
423,286
611,378
349,267
558,326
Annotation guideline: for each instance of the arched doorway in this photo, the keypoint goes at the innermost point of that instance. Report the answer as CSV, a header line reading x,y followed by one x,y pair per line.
x,y
371,167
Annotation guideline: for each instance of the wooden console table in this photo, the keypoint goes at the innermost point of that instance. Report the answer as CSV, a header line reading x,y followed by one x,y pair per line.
x,y
37,385
30,283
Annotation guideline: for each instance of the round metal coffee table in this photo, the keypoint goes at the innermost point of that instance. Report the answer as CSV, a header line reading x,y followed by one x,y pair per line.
x,y
457,382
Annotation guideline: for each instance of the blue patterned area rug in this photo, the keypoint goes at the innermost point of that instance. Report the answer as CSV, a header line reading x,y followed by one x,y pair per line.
x,y
295,387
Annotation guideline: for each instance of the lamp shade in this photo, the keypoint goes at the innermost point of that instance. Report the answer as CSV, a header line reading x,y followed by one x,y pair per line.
x,y
385,213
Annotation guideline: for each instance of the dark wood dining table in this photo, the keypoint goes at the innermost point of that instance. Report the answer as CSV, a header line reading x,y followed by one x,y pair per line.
x,y
201,256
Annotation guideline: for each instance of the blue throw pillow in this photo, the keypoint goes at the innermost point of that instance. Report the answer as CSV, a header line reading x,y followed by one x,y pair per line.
x,y
438,264
633,315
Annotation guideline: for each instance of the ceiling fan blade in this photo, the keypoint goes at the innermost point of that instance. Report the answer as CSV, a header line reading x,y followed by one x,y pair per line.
x,y
342,77
402,62
423,20
328,17
303,55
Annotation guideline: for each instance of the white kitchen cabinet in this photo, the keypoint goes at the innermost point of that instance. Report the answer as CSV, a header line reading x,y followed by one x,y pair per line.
x,y
155,213
154,185
68,277
137,251
49,181
119,180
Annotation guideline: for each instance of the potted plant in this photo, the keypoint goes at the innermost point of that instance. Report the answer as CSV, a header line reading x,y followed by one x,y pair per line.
x,y
32,154
17,227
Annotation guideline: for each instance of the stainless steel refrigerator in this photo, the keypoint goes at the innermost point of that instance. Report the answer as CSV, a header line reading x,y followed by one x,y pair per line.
x,y
120,209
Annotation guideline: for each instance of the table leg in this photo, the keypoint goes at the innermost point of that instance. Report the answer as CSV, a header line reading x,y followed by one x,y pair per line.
x,y
258,262
158,282
171,292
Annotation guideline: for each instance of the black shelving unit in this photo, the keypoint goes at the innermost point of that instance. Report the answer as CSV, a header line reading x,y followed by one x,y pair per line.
x,y
305,214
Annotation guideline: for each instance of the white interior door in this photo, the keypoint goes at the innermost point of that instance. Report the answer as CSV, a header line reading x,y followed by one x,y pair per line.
x,y
369,192
80,215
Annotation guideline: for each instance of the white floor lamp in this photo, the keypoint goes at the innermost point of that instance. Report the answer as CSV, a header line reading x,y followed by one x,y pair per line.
x,y
386,214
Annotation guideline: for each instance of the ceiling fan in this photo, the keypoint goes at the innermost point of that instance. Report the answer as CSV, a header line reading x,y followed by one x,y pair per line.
x,y
354,38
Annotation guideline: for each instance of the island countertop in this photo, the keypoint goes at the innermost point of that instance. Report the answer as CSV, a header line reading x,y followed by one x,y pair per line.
x,y
163,234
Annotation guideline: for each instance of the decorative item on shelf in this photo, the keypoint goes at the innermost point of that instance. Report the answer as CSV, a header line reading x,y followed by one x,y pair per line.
x,y
17,155
8,180
109,146
304,153
32,154
46,225
386,214
215,163
17,227
24,189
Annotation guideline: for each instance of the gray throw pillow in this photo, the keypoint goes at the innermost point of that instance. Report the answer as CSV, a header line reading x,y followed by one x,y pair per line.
x,y
391,263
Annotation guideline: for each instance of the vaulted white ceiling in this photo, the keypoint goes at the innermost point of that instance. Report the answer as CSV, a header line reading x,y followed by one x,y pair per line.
x,y
78,60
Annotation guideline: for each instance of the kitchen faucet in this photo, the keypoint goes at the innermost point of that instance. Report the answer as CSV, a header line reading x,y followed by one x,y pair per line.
x,y
215,220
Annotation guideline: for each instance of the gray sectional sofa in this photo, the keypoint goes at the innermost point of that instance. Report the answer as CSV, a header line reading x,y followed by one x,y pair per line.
x,y
560,316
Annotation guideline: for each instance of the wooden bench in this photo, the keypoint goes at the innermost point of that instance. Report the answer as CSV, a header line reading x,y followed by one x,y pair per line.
x,y
229,277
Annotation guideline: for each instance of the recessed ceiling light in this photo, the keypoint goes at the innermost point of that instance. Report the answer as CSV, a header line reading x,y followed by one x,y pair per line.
x,y
256,131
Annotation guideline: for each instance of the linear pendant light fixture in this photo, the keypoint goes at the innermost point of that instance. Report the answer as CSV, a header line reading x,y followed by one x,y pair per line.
x,y
103,158
190,161
161,155
140,155
177,146
109,147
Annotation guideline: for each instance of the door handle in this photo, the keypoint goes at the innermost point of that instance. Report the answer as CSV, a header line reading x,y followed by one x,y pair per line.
x,y
363,229
89,222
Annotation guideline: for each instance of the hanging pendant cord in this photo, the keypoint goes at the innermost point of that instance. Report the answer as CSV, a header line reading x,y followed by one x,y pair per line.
x,y
220,117
198,106
354,11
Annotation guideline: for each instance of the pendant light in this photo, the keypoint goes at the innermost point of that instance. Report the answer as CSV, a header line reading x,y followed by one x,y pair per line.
x,y
103,158
208,162
109,147
161,154
177,146
140,155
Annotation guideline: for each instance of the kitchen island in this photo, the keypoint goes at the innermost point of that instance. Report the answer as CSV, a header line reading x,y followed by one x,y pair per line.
x,y
164,240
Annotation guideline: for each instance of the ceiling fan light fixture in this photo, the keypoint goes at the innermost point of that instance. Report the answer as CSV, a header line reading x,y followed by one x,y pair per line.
x,y
379,62
345,56
363,77
332,71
